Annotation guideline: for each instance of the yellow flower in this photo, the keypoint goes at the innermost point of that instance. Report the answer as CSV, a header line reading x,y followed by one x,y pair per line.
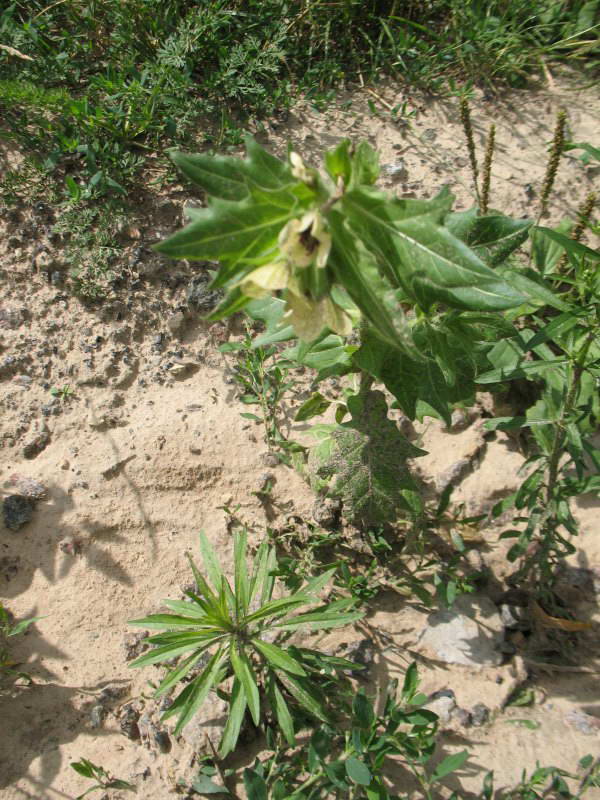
x,y
299,169
266,279
309,317
305,241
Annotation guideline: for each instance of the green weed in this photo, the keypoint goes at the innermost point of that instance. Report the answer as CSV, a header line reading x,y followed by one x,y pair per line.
x,y
239,625
99,87
9,628
103,780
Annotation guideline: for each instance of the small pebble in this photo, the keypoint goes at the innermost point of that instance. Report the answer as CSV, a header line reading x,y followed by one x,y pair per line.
x,y
480,715
163,741
97,715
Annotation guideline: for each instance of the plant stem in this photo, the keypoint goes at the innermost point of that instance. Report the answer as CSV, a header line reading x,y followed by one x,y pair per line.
x,y
570,400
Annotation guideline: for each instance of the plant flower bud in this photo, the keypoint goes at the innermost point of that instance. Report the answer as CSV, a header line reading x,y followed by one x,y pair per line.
x,y
309,317
266,279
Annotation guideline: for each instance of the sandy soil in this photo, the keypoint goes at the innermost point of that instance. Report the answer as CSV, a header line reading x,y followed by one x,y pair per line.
x,y
151,445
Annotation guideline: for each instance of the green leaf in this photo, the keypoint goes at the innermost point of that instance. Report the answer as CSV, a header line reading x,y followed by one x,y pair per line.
x,y
356,271
22,626
165,621
219,176
424,258
586,762
260,571
448,765
358,771
533,288
193,696
235,301
365,164
276,657
276,608
174,676
204,785
244,234
211,562
366,462
411,682
169,651
316,584
362,710
586,146
84,767
306,694
493,237
244,673
554,329
284,718
242,587
575,250
320,620
313,407
119,784
526,369
338,162
203,587
418,383
336,772
237,709
256,788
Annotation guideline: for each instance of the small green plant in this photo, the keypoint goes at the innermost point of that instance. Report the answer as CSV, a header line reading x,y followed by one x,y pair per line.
x,y
63,393
90,245
353,761
103,779
239,625
263,381
8,629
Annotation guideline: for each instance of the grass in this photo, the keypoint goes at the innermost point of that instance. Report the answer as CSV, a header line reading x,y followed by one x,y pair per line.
x,y
92,92
93,87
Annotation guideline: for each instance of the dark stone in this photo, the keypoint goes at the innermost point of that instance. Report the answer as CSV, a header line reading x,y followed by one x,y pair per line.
x,y
199,297
40,440
134,644
480,715
110,694
463,717
163,741
97,715
129,722
17,511
51,408
361,652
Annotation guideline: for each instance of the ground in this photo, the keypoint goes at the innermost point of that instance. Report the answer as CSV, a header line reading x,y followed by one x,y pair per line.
x,y
146,446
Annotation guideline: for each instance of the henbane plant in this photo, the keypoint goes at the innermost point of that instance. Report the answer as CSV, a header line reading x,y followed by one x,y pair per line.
x,y
236,626
405,293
